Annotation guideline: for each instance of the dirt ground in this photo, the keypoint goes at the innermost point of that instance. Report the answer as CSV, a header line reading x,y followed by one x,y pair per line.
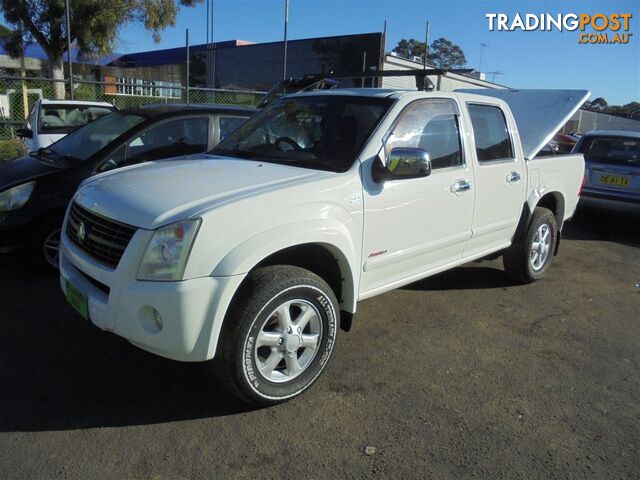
x,y
461,375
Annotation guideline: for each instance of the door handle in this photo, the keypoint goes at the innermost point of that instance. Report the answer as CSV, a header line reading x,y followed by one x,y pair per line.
x,y
513,177
460,186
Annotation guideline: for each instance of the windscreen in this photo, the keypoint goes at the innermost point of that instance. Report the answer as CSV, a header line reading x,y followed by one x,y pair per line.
x,y
325,131
612,150
57,118
88,140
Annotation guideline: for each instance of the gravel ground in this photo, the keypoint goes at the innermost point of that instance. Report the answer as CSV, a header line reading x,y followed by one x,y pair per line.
x,y
460,375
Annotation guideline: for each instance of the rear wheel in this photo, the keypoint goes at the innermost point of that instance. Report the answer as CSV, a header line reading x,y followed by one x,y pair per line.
x,y
530,255
278,336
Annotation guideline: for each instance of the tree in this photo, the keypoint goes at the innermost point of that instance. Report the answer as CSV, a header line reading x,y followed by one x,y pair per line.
x,y
94,25
446,54
599,104
410,48
442,53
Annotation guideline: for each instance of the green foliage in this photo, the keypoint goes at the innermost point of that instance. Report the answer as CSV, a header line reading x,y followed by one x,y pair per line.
x,y
9,149
446,54
600,105
410,48
443,53
94,23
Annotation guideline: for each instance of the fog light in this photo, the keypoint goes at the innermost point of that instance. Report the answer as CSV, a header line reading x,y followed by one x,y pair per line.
x,y
150,320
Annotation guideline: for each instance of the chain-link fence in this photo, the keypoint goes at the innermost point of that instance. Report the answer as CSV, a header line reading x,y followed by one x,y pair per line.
x,y
18,95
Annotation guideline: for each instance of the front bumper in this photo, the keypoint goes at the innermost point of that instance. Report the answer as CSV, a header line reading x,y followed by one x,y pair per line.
x,y
191,312
12,238
13,233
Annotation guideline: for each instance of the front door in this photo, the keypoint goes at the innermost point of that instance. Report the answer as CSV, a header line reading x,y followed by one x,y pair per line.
x,y
413,226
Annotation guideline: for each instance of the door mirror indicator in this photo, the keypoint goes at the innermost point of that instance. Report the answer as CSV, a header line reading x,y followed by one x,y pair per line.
x,y
402,163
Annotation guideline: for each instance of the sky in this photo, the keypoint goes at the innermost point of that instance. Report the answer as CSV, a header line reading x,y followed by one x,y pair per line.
x,y
531,59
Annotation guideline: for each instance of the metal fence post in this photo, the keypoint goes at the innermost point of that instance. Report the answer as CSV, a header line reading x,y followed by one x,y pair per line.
x,y
187,82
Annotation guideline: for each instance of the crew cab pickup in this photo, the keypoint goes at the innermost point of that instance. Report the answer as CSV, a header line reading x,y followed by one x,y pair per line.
x,y
255,254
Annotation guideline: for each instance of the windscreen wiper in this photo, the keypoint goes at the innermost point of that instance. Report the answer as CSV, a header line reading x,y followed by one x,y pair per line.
x,y
234,153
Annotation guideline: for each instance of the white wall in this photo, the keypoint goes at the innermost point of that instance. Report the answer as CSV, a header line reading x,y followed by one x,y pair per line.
x,y
584,121
448,82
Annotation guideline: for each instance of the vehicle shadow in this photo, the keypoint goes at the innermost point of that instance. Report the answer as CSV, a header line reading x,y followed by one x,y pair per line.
x,y
594,224
467,277
59,372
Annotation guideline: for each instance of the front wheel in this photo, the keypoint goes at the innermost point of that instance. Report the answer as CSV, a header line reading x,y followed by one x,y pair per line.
x,y
44,245
278,335
530,255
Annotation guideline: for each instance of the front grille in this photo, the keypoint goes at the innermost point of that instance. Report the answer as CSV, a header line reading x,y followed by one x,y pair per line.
x,y
103,239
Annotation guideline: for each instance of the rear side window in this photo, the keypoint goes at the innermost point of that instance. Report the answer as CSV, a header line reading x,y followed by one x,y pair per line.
x,y
431,125
228,125
490,133
66,118
612,150
172,138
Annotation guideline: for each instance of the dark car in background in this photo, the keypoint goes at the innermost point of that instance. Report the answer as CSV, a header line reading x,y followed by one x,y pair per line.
x,y
35,189
612,170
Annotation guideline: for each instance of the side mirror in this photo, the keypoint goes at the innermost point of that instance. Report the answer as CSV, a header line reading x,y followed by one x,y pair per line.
x,y
402,163
24,133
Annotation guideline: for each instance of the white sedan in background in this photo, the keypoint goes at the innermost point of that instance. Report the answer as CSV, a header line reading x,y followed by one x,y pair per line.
x,y
50,120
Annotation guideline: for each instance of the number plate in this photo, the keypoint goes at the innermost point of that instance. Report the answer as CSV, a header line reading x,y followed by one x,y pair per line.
x,y
614,180
77,299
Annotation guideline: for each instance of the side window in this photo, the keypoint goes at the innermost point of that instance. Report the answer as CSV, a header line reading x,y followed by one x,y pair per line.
x,y
490,133
182,136
115,160
228,125
431,125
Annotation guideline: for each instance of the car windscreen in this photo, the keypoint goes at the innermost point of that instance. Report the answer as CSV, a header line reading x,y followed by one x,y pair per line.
x,y
58,118
93,137
325,132
624,151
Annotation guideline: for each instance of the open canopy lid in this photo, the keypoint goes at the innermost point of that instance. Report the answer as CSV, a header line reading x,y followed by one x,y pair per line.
x,y
539,114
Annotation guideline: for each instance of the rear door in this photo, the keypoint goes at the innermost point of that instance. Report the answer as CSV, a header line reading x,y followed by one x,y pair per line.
x,y
499,178
612,165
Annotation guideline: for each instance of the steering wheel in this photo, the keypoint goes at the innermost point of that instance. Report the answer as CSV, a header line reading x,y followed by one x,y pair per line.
x,y
292,143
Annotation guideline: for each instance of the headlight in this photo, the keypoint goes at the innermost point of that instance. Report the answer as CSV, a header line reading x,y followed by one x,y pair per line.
x,y
16,197
167,251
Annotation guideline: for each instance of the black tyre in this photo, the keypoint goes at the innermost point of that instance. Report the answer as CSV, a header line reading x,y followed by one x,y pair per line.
x,y
530,255
278,335
44,244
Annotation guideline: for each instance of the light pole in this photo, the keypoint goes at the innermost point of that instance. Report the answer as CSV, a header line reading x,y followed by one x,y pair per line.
x,y
286,24
426,48
66,8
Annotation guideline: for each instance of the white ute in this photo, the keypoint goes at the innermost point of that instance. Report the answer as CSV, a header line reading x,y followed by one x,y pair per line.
x,y
257,253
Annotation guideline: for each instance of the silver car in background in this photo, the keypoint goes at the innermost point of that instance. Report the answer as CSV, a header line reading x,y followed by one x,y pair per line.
x,y
612,170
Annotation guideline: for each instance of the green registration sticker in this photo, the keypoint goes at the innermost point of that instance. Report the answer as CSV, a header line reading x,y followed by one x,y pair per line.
x,y
77,299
